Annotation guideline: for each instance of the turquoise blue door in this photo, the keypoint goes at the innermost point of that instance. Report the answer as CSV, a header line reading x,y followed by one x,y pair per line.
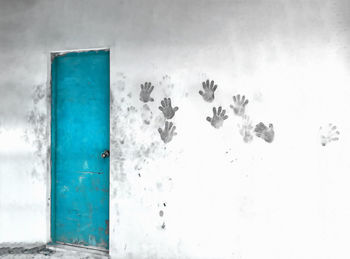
x,y
79,136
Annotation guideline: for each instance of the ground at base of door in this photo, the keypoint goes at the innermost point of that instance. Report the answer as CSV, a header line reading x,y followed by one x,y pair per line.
x,y
25,251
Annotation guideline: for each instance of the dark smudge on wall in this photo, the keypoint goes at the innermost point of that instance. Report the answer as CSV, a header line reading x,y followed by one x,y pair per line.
x,y
134,140
36,134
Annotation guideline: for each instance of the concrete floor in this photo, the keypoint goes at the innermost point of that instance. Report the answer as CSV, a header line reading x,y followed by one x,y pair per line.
x,y
68,255
37,251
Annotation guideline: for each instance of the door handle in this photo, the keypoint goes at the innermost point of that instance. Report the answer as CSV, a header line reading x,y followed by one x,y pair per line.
x,y
105,154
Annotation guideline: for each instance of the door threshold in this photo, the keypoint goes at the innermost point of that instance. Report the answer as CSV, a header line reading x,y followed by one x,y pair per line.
x,y
79,249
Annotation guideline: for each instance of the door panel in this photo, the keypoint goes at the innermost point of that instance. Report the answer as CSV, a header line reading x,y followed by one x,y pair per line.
x,y
80,133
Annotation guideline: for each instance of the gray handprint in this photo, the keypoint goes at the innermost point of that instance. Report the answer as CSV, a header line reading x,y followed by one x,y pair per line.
x,y
209,89
329,134
167,109
218,117
266,133
145,94
167,134
239,105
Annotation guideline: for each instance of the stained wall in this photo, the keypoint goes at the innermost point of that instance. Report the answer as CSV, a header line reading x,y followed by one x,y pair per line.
x,y
207,193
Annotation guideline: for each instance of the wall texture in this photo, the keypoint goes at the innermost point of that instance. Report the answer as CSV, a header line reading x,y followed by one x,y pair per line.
x,y
207,193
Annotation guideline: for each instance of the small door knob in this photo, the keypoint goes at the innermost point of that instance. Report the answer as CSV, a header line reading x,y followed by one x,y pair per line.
x,y
105,154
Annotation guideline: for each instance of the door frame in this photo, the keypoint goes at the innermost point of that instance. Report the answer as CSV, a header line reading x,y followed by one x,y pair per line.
x,y
49,194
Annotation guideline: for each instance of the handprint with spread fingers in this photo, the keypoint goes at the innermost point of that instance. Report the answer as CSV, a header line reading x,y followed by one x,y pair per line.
x,y
167,109
168,133
145,94
209,89
218,117
239,104
329,134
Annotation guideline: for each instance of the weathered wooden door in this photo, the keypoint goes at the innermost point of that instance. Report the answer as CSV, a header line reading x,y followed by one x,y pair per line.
x,y
80,135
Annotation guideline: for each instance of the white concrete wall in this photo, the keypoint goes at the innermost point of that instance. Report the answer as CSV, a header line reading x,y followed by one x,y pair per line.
x,y
224,198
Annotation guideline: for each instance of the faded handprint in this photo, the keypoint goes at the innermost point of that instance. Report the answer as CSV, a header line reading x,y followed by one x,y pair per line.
x,y
167,134
264,132
239,104
209,89
146,114
167,109
246,129
145,94
218,117
329,134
